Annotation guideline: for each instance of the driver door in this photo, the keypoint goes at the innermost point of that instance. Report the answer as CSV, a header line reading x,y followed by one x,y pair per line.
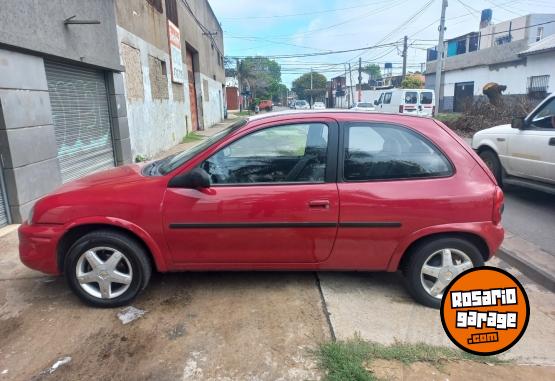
x,y
273,199
532,149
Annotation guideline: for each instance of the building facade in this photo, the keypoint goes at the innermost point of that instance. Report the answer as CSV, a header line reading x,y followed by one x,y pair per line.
x,y
89,85
506,53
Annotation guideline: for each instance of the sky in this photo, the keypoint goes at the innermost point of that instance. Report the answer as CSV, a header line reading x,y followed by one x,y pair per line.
x,y
286,27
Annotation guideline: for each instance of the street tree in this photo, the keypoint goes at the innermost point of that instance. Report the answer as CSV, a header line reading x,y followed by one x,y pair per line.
x,y
373,71
412,82
301,86
260,74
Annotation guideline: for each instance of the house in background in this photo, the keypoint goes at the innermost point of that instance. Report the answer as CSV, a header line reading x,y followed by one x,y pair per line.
x,y
514,53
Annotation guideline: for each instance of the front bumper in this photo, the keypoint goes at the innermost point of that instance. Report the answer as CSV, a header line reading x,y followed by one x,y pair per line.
x,y
38,246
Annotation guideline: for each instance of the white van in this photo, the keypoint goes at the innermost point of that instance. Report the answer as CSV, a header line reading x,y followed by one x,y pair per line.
x,y
407,101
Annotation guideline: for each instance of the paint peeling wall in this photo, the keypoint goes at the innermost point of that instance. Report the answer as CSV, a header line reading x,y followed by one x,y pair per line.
x,y
158,118
212,101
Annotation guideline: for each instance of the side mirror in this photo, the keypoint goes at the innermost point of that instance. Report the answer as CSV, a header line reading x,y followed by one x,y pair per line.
x,y
196,178
375,102
518,123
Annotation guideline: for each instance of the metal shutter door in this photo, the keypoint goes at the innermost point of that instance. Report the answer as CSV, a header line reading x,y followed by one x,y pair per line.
x,y
3,212
79,101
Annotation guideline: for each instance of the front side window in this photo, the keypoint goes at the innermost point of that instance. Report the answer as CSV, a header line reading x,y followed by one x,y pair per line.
x,y
386,152
281,154
545,117
387,98
380,100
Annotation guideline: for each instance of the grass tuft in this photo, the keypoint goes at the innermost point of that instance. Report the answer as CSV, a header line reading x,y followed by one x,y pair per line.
x,y
344,360
192,137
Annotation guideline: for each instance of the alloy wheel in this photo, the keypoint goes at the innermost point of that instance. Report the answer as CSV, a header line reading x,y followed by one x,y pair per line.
x,y
104,272
440,268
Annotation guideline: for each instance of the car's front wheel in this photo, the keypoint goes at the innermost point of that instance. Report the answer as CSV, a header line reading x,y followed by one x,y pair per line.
x,y
107,269
492,161
434,264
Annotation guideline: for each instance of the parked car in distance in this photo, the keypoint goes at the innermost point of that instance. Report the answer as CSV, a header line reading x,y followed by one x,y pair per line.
x,y
522,153
266,104
363,106
265,194
318,106
301,105
407,101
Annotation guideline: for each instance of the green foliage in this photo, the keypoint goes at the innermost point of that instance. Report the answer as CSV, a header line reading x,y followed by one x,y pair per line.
x,y
412,82
140,158
301,86
192,137
259,73
373,70
346,360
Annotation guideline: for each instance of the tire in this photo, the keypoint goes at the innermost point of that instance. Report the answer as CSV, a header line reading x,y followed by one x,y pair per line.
x,y
430,253
133,266
492,161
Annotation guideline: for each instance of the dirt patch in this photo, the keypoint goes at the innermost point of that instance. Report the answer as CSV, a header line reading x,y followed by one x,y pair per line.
x,y
458,370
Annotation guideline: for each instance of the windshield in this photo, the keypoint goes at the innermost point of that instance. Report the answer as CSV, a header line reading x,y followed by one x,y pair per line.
x,y
172,162
301,103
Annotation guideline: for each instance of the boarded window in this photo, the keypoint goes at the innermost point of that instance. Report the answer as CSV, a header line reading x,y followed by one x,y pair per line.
x,y
178,92
133,72
206,90
171,12
156,4
158,78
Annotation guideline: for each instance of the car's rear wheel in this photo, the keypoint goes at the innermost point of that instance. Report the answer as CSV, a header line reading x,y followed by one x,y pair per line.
x,y
434,264
107,269
492,161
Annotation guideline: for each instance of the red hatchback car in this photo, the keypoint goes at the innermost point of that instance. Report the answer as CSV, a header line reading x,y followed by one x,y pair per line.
x,y
325,190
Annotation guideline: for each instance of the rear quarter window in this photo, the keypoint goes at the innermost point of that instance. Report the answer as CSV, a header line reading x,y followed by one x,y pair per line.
x,y
426,97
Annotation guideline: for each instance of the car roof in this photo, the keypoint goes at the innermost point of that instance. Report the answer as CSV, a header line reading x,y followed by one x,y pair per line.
x,y
333,113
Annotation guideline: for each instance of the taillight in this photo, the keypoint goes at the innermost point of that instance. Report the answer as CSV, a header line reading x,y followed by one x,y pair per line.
x,y
400,109
498,205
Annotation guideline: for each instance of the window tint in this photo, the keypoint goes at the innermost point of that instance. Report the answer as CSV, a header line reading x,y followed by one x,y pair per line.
x,y
291,153
411,97
426,97
382,152
387,98
544,117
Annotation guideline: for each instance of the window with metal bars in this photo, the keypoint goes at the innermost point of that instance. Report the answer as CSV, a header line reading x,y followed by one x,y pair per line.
x,y
537,86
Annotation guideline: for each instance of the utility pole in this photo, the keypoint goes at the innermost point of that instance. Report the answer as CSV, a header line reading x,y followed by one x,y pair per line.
x,y
405,49
310,87
439,61
359,79
239,85
350,87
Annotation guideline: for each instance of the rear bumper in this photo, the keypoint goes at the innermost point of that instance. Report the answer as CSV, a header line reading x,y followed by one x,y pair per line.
x,y
494,235
37,247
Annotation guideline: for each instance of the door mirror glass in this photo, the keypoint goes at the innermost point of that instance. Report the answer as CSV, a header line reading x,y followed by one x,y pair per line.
x,y
518,123
375,102
197,178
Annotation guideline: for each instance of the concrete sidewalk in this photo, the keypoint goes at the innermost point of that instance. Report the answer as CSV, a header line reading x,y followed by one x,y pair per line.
x,y
377,307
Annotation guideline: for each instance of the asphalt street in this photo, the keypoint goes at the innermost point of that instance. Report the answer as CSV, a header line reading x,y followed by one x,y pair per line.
x,y
530,215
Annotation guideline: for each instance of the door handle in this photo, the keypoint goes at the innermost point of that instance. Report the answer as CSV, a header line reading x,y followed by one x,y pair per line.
x,y
319,204
552,142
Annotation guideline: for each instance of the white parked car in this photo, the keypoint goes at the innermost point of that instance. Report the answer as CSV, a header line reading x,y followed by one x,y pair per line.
x,y
318,106
523,152
301,105
407,101
363,106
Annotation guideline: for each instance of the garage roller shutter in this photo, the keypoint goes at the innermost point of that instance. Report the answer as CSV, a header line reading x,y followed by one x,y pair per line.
x,y
79,101
3,212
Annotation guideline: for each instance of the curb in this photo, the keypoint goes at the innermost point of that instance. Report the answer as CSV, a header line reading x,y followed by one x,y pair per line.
x,y
532,269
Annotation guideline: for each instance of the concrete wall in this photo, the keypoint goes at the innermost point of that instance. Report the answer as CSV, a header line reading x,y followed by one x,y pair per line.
x,y
535,19
501,29
27,139
39,27
157,110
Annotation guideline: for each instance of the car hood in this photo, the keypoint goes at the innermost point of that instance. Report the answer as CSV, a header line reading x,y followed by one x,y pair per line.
x,y
120,175
502,129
